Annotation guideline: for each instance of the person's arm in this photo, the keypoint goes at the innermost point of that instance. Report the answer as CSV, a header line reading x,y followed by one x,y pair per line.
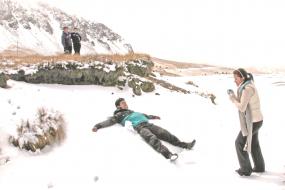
x,y
152,116
244,100
79,37
107,123
63,40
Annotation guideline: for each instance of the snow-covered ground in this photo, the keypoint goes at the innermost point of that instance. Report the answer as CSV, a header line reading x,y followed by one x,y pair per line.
x,y
118,158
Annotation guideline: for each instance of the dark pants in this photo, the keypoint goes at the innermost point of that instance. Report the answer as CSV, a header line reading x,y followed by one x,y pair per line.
x,y
77,48
256,154
68,49
152,134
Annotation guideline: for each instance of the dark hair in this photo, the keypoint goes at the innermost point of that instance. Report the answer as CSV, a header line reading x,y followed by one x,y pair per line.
x,y
65,27
118,101
242,73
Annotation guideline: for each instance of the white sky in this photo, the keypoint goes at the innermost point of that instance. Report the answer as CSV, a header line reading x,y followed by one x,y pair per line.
x,y
221,32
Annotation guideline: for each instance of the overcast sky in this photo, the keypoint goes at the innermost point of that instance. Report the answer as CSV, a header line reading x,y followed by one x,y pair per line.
x,y
221,32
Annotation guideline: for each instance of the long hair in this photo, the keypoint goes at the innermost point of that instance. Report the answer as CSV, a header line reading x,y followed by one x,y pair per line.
x,y
242,73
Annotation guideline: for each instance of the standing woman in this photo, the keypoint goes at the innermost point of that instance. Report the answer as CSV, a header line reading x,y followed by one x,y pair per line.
x,y
248,104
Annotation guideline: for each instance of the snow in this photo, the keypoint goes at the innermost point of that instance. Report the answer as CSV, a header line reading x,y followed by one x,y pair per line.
x,y
116,157
37,40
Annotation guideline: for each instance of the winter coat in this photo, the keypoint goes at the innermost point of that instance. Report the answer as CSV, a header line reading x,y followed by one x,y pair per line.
x,y
122,116
248,104
66,39
76,38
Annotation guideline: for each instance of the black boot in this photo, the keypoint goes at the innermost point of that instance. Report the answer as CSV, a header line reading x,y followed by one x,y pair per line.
x,y
190,145
243,173
257,170
187,146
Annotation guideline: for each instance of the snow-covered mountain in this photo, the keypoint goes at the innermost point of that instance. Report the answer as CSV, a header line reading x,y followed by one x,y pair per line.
x,y
38,28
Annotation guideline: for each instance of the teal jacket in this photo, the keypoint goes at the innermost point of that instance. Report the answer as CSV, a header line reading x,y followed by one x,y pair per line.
x,y
135,118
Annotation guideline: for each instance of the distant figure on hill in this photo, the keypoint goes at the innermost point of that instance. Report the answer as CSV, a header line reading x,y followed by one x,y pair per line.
x,y
151,133
66,40
76,40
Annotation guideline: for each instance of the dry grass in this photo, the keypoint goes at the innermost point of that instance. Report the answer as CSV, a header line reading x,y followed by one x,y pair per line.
x,y
22,59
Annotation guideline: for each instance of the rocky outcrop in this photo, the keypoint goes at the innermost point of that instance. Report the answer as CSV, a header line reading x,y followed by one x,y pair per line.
x,y
72,74
92,72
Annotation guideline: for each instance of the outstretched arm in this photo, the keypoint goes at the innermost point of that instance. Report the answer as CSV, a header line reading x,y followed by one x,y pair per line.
x,y
107,123
152,116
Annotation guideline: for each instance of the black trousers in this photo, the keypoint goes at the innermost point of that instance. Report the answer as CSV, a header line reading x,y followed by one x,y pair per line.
x,y
152,134
256,153
77,48
68,49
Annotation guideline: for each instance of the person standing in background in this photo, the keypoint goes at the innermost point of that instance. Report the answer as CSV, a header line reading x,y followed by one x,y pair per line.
x,y
66,40
76,40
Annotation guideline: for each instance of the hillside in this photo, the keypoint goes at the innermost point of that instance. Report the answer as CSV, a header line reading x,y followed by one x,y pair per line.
x,y
38,28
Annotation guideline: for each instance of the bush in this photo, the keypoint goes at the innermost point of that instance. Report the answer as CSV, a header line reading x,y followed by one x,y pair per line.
x,y
47,129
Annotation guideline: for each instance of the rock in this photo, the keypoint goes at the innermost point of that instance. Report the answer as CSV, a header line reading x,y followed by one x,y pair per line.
x,y
192,83
96,178
3,80
147,86
140,67
137,90
133,82
213,97
157,94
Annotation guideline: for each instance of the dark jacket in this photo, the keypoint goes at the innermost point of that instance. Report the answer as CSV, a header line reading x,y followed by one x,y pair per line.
x,y
76,38
118,117
66,39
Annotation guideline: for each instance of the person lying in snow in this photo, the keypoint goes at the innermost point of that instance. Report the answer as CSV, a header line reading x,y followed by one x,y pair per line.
x,y
151,133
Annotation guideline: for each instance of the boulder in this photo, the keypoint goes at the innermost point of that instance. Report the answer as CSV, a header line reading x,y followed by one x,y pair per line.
x,y
147,86
3,80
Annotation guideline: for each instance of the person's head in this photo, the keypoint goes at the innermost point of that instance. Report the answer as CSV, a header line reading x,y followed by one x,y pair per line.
x,y
65,29
121,103
75,29
241,76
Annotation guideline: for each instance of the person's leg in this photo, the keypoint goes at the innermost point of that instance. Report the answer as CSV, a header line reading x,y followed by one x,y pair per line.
x,y
154,142
79,47
243,157
66,50
165,135
256,153
76,48
70,49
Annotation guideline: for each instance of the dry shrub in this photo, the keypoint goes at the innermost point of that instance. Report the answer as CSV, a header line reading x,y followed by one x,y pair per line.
x,y
47,129
37,59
